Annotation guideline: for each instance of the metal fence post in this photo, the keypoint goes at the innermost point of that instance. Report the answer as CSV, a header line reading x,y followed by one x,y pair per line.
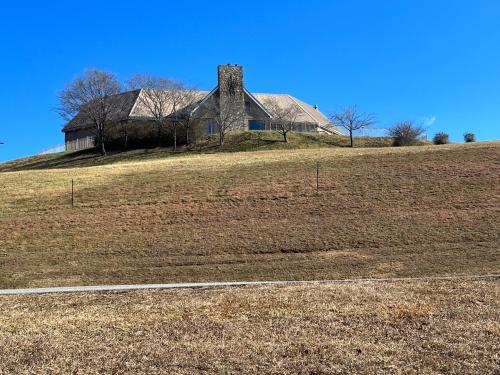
x,y
317,177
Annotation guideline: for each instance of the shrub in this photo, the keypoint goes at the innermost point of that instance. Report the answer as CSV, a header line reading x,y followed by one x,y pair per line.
x,y
440,138
469,137
406,133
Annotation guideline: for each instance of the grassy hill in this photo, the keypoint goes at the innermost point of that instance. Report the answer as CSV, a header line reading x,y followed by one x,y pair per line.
x,y
235,142
200,216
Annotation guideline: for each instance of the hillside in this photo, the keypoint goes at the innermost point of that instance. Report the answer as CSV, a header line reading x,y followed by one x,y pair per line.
x,y
439,327
382,212
235,142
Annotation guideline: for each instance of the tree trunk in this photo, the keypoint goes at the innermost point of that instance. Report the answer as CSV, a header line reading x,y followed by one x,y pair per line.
x,y
221,138
159,135
187,134
350,137
175,137
125,145
101,139
285,137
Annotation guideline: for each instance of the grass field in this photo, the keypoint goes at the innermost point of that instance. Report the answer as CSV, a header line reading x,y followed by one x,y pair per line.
x,y
438,327
381,212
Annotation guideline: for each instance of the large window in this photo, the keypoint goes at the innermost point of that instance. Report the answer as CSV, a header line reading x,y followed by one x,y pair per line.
x,y
256,125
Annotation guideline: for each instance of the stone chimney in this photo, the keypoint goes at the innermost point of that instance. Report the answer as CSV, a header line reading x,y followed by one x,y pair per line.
x,y
231,95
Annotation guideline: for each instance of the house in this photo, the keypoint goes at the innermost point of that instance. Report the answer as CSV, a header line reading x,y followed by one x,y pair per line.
x,y
250,111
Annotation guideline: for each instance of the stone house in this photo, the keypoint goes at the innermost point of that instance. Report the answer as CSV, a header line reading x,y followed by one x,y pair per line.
x,y
230,92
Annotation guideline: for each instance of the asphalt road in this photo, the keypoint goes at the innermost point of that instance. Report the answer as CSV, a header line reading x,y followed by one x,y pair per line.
x,y
124,288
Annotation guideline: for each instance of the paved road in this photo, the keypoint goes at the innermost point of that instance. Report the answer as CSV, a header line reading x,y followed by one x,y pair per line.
x,y
124,288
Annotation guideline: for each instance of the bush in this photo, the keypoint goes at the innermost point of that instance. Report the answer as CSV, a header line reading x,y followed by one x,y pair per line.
x,y
440,138
406,133
123,136
469,137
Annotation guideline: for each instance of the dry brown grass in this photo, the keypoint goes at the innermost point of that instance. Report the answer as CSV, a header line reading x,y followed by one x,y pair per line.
x,y
439,327
255,215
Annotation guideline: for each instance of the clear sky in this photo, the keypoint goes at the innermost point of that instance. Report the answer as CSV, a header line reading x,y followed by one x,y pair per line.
x,y
434,62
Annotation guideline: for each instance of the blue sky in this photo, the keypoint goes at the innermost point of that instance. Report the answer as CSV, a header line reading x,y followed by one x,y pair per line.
x,y
434,62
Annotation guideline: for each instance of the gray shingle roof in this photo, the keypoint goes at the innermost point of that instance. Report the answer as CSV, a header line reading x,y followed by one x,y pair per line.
x,y
122,104
140,110
308,114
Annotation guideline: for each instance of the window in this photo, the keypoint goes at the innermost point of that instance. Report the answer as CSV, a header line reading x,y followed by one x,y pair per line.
x,y
256,125
211,128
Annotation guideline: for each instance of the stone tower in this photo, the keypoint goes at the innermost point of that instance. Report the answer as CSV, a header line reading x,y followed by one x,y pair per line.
x,y
231,95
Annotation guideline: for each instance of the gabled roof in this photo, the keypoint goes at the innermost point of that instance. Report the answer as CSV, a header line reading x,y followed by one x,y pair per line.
x,y
140,110
308,114
245,91
258,102
122,105
204,100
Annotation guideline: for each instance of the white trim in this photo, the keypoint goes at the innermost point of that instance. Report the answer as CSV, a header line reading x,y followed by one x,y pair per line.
x,y
135,103
331,131
257,102
204,100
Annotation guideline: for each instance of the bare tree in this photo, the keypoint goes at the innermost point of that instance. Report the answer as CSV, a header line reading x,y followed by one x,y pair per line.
x,y
91,98
123,128
155,98
182,100
187,115
164,100
284,117
226,117
352,120
187,121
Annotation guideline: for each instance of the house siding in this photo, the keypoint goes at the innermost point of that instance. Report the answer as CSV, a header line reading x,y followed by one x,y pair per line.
x,y
79,140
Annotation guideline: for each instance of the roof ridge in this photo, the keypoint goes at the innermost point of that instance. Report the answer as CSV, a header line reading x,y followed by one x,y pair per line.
x,y
268,93
297,102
